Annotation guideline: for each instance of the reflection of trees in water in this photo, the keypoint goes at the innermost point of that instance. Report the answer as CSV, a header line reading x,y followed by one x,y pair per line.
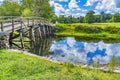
x,y
41,46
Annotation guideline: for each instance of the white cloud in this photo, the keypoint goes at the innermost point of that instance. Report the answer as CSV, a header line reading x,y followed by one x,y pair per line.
x,y
59,9
91,2
73,5
51,2
109,6
63,0
106,4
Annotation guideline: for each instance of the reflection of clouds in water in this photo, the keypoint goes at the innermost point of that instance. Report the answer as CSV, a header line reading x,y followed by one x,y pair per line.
x,y
71,41
69,50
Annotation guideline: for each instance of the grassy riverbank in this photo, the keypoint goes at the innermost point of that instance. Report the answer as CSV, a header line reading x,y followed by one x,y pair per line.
x,y
18,66
103,31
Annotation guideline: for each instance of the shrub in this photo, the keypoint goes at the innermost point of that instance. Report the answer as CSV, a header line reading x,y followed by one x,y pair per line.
x,y
59,28
112,30
88,29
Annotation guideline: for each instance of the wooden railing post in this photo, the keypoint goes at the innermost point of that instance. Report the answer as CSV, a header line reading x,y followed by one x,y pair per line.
x,y
1,26
32,21
28,22
12,25
21,23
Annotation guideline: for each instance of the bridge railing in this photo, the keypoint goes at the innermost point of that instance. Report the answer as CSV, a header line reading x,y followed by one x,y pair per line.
x,y
12,22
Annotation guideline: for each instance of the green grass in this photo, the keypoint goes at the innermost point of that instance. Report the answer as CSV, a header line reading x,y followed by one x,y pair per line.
x,y
18,66
96,30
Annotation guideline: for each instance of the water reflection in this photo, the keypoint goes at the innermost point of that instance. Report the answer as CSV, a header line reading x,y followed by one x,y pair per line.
x,y
41,47
70,50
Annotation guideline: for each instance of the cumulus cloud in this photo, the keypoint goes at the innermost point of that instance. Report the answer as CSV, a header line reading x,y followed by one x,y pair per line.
x,y
106,4
73,5
91,2
63,0
74,8
59,9
109,6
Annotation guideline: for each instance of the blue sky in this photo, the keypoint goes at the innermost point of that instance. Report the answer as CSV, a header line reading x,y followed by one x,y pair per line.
x,y
81,7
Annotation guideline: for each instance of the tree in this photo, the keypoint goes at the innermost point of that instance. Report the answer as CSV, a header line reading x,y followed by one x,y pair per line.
x,y
9,8
81,19
97,18
108,17
116,17
27,12
102,16
89,18
54,19
41,8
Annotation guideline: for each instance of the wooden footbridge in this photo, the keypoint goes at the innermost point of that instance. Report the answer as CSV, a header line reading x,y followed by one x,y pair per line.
x,y
25,29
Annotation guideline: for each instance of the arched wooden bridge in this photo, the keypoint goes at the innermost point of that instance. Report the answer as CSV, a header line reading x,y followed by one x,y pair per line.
x,y
25,29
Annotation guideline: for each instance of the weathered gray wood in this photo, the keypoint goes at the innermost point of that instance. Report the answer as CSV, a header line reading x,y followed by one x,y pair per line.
x,y
36,27
22,39
13,25
11,40
2,26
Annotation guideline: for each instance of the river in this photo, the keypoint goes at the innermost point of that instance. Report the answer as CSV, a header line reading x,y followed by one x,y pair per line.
x,y
72,50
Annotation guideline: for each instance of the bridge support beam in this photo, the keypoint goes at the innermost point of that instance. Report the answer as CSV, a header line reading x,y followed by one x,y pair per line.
x,y
22,39
4,40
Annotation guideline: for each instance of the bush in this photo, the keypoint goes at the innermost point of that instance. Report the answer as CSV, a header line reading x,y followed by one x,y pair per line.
x,y
88,29
59,28
112,30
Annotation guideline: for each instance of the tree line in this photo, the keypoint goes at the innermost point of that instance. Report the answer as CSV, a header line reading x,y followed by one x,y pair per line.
x,y
39,8
90,17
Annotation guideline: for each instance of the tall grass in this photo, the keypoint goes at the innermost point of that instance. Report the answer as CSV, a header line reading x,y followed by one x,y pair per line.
x,y
18,66
96,30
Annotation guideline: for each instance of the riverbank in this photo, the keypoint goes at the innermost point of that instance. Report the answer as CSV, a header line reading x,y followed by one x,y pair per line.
x,y
19,66
104,31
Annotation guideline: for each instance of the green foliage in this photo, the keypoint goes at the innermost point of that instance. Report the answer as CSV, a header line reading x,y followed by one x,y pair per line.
x,y
69,66
116,17
96,63
112,63
39,8
89,18
10,9
81,19
112,30
27,12
54,19
88,29
18,66
59,28
109,32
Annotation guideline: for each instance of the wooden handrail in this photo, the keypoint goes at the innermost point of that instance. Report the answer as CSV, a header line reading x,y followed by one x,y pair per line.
x,y
11,21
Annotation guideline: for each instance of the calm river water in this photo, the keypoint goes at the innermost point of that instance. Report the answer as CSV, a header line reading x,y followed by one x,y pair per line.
x,y
68,49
